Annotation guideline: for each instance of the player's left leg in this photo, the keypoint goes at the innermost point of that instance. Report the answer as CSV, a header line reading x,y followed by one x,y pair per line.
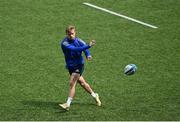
x,y
87,87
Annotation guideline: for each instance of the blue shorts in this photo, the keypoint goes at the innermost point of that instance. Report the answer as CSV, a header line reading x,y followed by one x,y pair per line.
x,y
76,69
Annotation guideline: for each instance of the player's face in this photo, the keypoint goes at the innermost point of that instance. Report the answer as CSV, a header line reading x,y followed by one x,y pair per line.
x,y
71,34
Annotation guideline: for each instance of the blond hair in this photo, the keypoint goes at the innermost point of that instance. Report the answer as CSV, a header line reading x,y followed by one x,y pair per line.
x,y
69,28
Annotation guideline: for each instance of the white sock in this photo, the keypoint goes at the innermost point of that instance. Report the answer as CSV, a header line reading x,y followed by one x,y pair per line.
x,y
93,94
69,100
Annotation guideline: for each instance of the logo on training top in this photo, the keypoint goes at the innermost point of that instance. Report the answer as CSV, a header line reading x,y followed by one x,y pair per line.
x,y
65,43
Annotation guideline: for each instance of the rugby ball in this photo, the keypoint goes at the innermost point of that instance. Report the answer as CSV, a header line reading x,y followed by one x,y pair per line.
x,y
130,69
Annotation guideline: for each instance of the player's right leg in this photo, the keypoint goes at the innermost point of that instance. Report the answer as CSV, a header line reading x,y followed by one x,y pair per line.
x,y
73,79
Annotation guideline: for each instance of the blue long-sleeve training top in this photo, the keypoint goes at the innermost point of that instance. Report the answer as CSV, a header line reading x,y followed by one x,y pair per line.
x,y
73,49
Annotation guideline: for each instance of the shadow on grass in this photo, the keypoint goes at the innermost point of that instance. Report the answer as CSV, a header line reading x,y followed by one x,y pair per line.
x,y
32,104
44,105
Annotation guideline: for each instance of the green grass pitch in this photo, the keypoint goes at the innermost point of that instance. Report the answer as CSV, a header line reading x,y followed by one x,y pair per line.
x,y
33,79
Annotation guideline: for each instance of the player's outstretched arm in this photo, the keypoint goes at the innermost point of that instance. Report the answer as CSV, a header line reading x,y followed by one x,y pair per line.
x,y
72,47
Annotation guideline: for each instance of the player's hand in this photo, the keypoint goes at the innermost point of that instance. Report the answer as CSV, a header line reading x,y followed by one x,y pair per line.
x,y
89,58
92,43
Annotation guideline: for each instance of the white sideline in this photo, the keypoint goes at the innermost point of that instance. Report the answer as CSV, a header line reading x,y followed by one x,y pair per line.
x,y
120,15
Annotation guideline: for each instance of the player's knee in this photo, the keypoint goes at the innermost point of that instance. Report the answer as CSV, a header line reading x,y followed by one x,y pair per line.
x,y
82,84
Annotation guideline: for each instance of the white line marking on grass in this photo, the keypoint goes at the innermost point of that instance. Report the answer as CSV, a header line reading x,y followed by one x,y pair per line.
x,y
120,15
